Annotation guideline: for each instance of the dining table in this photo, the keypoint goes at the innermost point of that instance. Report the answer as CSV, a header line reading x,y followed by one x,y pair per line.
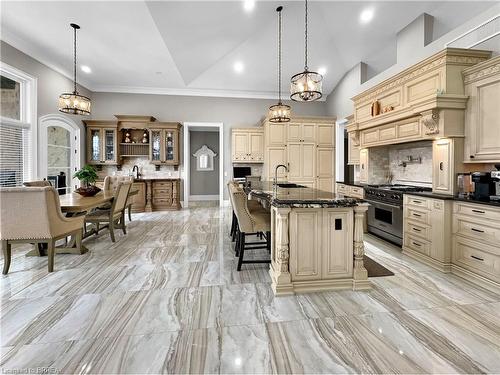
x,y
74,204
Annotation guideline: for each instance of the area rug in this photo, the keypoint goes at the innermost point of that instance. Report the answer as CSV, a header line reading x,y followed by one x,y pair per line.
x,y
375,269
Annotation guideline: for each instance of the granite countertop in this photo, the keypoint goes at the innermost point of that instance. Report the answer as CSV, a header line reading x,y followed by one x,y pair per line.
x,y
355,183
430,194
304,197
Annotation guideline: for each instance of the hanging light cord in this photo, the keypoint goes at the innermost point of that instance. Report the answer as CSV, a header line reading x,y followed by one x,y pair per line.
x,y
306,67
279,56
74,60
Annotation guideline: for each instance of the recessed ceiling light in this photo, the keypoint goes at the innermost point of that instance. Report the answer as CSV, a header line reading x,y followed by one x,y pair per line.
x,y
248,5
366,15
86,69
238,67
322,70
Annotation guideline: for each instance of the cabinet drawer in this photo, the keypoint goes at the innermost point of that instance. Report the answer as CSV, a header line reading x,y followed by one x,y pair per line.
x,y
418,215
481,231
417,244
356,192
424,203
162,201
471,255
418,229
162,193
162,184
478,211
342,189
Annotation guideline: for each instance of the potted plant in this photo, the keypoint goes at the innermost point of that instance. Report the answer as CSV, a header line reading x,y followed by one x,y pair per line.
x,y
87,176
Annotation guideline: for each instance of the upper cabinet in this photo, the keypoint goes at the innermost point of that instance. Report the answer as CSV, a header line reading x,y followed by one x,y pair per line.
x,y
164,143
247,145
482,116
102,142
301,132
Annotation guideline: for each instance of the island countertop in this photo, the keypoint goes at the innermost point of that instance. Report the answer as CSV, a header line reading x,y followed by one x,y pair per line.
x,y
300,197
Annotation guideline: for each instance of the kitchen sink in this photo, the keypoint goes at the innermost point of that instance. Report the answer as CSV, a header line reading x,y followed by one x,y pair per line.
x,y
289,185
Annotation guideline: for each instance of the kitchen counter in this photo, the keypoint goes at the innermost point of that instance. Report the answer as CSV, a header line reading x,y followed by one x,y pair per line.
x,y
430,194
355,183
303,197
316,239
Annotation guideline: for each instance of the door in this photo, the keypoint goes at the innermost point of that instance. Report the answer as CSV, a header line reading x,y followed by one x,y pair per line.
x,y
363,166
94,140
308,132
326,135
308,161
155,149
337,244
325,184
256,146
276,156
353,152
276,134
240,146
109,137
293,131
442,161
325,161
171,144
294,161
305,250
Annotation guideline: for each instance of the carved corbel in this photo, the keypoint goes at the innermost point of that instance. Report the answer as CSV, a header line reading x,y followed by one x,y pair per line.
x,y
354,135
430,121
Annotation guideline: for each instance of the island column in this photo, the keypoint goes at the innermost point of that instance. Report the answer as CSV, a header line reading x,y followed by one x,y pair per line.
x,y
280,251
360,274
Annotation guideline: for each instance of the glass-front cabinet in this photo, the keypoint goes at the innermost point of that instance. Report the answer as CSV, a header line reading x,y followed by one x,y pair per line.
x,y
102,144
165,145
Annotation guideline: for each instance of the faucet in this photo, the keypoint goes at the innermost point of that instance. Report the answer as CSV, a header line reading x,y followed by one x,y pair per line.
x,y
275,182
135,168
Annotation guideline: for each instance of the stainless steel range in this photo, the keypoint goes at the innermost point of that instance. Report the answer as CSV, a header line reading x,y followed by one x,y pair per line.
x,y
385,214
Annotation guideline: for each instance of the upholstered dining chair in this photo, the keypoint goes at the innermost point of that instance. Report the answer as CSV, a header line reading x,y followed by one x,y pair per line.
x,y
111,183
34,216
114,217
249,223
40,183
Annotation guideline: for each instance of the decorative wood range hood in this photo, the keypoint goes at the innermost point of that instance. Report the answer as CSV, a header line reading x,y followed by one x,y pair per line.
x,y
425,101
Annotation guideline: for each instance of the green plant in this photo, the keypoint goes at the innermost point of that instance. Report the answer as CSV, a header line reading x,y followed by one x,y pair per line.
x,y
87,175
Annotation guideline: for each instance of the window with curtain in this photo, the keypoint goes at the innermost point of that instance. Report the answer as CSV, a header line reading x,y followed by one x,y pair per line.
x,y
16,122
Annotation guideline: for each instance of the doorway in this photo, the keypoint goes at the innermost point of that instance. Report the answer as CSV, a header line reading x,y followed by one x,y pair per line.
x,y
203,162
59,151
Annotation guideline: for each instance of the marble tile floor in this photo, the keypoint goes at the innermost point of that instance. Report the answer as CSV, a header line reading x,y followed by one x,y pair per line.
x,y
167,298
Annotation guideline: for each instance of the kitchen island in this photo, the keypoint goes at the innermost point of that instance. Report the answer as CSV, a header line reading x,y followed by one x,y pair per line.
x,y
316,238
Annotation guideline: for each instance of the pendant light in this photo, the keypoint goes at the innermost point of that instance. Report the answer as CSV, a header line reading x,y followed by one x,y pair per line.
x,y
279,112
74,103
306,86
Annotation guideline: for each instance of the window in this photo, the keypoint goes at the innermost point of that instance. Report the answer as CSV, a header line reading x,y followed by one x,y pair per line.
x,y
17,126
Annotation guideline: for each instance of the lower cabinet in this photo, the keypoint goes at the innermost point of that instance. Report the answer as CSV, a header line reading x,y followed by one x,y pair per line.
x,y
324,250
164,195
363,165
139,200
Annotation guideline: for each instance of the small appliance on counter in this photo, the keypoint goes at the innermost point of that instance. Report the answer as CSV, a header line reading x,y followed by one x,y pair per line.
x,y
484,187
465,185
495,178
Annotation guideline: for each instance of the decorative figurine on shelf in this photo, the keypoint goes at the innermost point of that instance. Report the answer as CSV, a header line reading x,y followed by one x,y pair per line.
x,y
375,109
145,137
127,137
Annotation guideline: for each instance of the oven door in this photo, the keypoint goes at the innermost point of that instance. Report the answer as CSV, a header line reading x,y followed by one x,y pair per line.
x,y
386,220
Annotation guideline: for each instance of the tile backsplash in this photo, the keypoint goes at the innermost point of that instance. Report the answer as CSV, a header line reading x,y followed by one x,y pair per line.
x,y
146,169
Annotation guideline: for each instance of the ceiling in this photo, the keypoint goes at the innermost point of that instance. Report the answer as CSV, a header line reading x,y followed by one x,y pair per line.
x,y
190,48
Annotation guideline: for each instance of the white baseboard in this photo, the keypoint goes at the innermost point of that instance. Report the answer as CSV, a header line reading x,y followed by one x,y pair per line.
x,y
204,197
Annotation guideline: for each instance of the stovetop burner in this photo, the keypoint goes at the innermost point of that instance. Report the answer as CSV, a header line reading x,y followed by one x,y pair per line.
x,y
390,193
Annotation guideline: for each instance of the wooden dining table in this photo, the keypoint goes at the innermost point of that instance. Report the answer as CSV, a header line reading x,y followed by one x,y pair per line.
x,y
75,204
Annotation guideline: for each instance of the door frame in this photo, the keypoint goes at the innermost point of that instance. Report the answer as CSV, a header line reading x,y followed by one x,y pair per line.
x,y
75,131
187,158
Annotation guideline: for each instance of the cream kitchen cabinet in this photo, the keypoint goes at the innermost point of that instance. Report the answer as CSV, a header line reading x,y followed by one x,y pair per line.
x,y
325,135
275,134
247,145
301,132
363,165
325,167
275,156
482,116
446,163
352,152
324,248
301,161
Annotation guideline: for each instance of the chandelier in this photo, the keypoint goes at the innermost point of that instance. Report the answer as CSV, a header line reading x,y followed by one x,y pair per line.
x,y
306,86
74,103
279,112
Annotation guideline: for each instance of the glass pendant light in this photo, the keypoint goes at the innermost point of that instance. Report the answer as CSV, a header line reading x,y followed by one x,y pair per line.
x,y
74,103
279,112
306,86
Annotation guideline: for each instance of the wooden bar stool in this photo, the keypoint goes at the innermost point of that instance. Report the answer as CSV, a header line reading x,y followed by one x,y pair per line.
x,y
249,223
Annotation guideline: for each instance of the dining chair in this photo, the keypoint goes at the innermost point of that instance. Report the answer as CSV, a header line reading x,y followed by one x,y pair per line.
x,y
40,183
34,216
114,217
111,183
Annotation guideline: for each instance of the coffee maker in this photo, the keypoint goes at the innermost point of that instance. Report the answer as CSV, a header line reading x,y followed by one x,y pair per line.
x,y
495,179
483,186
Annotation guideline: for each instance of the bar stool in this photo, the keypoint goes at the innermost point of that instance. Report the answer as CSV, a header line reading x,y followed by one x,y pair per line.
x,y
249,223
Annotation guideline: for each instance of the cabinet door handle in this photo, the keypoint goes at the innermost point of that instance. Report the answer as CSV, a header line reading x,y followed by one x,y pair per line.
x,y
416,244
416,230
477,258
478,211
415,201
441,166
471,156
477,230
417,215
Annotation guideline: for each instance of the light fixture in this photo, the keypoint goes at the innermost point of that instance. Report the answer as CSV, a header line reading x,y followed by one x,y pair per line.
x,y
279,112
238,67
366,15
306,86
74,103
86,69
248,5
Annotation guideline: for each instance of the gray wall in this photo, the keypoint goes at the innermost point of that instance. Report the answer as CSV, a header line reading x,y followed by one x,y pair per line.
x,y
232,112
50,84
203,182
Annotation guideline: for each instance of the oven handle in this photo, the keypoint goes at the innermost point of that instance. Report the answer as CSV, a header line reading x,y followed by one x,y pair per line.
x,y
383,204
